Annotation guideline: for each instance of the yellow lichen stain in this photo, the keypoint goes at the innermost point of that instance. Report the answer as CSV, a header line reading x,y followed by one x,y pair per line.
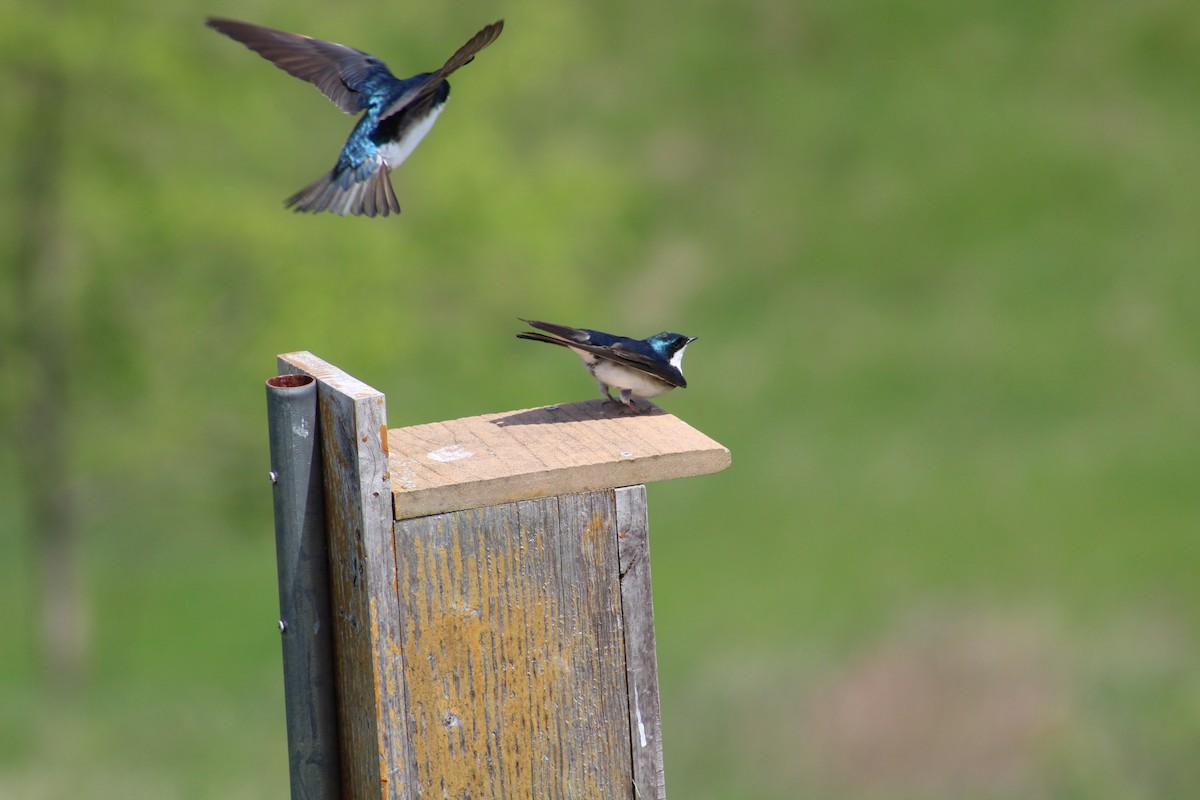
x,y
594,535
483,670
373,613
493,647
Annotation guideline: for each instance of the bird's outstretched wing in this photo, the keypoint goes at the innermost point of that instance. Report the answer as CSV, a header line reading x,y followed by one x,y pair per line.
x,y
463,56
337,70
618,351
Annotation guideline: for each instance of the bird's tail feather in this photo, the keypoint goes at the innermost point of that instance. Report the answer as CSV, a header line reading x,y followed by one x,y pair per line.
x,y
566,332
541,337
361,191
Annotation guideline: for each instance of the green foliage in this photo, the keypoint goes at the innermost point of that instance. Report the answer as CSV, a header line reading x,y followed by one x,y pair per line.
x,y
941,261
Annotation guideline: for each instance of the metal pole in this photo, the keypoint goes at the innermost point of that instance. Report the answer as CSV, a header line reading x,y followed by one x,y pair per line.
x,y
304,615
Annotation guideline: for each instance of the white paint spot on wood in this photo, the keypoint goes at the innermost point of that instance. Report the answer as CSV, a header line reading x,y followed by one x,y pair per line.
x,y
637,712
455,452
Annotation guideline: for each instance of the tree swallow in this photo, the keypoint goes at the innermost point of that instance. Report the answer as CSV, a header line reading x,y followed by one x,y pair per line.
x,y
398,113
638,367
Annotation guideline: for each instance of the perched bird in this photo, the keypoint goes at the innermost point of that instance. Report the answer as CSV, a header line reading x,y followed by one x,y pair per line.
x,y
398,113
638,367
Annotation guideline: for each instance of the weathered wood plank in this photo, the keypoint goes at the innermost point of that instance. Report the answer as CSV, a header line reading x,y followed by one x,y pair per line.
x,y
376,757
523,455
641,661
514,657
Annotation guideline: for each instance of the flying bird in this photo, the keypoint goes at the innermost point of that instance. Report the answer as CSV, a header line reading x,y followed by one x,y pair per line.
x,y
397,113
637,367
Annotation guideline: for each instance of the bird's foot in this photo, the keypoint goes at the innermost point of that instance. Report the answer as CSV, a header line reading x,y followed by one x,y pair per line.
x,y
627,401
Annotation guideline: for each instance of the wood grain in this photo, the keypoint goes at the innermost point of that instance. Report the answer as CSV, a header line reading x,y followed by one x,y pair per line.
x,y
376,758
523,455
514,654
641,661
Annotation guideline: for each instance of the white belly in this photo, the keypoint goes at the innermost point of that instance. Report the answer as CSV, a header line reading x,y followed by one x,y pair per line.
x,y
395,153
622,377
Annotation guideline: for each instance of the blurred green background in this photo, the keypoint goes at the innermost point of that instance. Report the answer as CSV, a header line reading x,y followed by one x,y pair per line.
x,y
942,261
